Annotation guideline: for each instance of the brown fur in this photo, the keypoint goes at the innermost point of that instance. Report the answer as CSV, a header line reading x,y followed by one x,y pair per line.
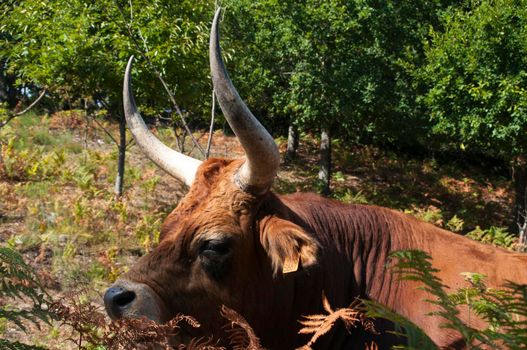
x,y
342,250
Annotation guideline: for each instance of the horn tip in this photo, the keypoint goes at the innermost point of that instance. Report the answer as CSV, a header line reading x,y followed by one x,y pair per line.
x,y
129,66
216,16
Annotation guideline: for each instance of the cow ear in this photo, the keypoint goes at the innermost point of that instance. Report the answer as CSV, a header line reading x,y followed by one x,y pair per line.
x,y
287,244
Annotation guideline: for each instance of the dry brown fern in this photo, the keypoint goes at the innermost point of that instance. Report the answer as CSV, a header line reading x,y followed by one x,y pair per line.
x,y
318,325
128,333
89,326
241,334
200,344
83,318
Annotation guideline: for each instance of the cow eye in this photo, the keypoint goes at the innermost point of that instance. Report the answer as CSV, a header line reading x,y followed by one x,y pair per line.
x,y
215,257
215,248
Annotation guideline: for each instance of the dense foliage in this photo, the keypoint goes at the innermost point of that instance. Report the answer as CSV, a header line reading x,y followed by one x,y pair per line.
x,y
340,65
358,68
477,85
78,49
477,77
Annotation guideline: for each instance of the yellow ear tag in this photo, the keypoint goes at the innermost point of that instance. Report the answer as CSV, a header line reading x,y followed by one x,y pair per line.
x,y
291,264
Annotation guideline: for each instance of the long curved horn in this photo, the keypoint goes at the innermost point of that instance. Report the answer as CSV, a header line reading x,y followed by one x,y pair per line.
x,y
256,175
176,164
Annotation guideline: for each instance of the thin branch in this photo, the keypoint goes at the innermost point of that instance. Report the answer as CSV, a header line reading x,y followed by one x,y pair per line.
x,y
86,130
106,131
33,104
105,104
130,143
131,10
522,241
9,118
14,115
209,141
194,146
159,116
158,74
174,103
180,138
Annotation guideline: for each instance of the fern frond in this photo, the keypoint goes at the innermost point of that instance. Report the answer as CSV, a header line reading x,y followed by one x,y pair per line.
x,y
318,325
7,345
91,327
200,344
241,334
18,281
416,338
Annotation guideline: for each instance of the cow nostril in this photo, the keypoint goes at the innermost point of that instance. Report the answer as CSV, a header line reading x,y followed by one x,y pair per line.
x,y
124,298
117,299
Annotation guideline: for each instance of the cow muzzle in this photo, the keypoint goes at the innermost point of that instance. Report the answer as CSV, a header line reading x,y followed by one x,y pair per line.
x,y
127,299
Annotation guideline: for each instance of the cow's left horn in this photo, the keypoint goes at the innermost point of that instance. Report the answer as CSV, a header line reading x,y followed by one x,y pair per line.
x,y
176,164
262,157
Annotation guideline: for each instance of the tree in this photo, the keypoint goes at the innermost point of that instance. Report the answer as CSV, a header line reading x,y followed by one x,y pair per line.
x,y
340,66
8,90
477,85
79,48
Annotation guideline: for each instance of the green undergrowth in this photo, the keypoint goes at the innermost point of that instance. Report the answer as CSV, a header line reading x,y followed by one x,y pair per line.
x,y
24,298
457,195
59,187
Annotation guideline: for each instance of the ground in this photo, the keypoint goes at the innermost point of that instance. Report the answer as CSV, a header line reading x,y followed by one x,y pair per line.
x,y
58,208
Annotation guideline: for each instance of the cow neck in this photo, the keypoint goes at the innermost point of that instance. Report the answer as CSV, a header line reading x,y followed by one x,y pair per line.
x,y
355,241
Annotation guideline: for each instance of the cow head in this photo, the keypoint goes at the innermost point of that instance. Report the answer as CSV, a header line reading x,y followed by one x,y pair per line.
x,y
228,236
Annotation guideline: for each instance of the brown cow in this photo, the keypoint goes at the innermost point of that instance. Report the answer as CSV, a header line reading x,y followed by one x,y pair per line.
x,y
232,241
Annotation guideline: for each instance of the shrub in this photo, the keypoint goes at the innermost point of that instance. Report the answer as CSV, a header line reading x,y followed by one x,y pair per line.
x,y
497,236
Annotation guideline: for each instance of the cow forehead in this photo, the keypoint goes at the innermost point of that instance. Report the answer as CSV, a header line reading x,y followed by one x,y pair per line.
x,y
213,204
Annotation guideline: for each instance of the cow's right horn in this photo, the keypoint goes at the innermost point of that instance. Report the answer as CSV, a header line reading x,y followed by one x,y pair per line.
x,y
262,157
176,164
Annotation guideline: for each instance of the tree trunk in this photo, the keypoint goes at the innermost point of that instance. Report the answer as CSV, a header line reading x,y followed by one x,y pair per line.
x,y
180,137
12,91
8,90
519,225
292,143
324,174
1,158
119,180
